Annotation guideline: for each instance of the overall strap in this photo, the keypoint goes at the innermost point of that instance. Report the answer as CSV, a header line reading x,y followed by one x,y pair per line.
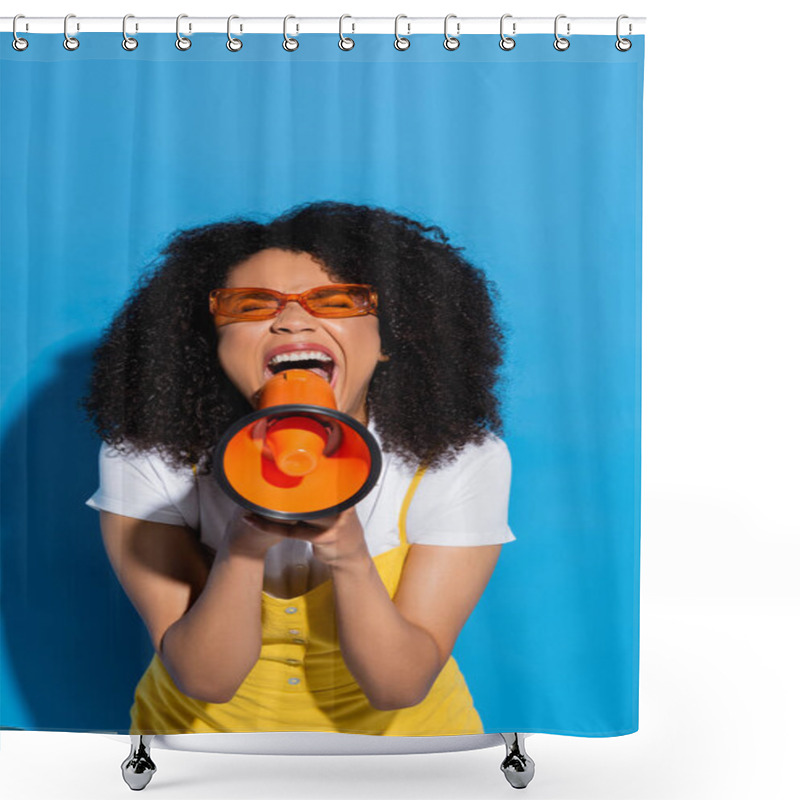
x,y
407,501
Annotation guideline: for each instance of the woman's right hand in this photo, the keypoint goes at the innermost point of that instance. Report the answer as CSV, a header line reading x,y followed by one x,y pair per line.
x,y
251,535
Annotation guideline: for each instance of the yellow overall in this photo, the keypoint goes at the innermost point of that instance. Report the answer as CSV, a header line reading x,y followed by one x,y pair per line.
x,y
301,683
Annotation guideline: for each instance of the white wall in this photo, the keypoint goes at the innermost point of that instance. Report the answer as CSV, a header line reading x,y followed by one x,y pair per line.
x,y
721,447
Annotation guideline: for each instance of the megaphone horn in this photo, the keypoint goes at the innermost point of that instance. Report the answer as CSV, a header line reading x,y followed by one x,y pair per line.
x,y
297,457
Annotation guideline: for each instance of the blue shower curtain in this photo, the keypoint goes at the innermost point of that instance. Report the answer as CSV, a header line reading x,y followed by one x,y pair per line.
x,y
529,160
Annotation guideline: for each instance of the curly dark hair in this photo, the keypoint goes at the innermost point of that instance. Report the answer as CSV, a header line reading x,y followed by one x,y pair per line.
x,y
157,384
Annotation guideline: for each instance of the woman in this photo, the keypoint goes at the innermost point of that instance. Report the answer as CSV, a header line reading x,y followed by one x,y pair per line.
x,y
345,623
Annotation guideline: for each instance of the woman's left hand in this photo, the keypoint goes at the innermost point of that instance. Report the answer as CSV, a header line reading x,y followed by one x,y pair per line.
x,y
336,539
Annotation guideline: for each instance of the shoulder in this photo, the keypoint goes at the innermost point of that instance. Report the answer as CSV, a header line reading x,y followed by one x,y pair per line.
x,y
489,458
127,458
141,484
464,502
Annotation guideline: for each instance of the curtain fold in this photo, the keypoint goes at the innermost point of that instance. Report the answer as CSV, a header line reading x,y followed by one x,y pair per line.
x,y
529,161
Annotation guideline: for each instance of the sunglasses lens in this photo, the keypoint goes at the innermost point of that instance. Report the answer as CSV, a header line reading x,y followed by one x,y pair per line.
x,y
332,301
255,304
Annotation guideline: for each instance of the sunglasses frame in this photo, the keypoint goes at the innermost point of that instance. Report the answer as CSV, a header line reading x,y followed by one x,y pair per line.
x,y
222,318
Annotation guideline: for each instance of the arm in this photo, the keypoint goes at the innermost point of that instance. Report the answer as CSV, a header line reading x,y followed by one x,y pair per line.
x,y
204,619
397,650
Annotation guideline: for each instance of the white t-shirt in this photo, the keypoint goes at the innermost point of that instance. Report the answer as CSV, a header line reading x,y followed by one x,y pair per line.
x,y
464,503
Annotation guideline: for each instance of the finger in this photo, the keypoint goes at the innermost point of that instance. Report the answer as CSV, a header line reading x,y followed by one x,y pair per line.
x,y
266,524
254,519
323,522
307,533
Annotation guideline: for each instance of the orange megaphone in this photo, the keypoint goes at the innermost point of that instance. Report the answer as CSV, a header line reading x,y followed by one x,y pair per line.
x,y
297,457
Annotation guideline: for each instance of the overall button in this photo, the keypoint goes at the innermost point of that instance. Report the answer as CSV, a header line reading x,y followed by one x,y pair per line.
x,y
291,610
294,681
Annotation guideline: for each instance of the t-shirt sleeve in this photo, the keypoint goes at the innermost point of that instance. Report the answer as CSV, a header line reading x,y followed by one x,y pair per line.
x,y
464,503
135,485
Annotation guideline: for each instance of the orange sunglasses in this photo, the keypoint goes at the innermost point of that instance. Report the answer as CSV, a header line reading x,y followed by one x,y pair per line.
x,y
332,300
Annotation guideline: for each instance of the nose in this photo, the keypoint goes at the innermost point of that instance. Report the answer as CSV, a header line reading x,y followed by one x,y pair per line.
x,y
293,317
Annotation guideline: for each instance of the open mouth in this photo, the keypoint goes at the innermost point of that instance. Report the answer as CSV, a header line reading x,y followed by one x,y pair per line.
x,y
317,362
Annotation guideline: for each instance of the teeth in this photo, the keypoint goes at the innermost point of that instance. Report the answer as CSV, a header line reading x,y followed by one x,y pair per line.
x,y
300,355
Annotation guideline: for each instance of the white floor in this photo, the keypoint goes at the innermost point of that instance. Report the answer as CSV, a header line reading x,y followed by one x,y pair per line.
x,y
719,701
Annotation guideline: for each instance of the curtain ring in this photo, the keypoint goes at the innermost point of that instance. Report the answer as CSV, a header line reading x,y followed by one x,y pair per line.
x,y
233,44
345,42
561,43
70,42
506,42
623,45
289,44
181,42
400,42
18,44
451,42
128,42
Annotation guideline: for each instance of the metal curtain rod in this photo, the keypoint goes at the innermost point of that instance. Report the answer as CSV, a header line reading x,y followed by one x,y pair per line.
x,y
407,25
